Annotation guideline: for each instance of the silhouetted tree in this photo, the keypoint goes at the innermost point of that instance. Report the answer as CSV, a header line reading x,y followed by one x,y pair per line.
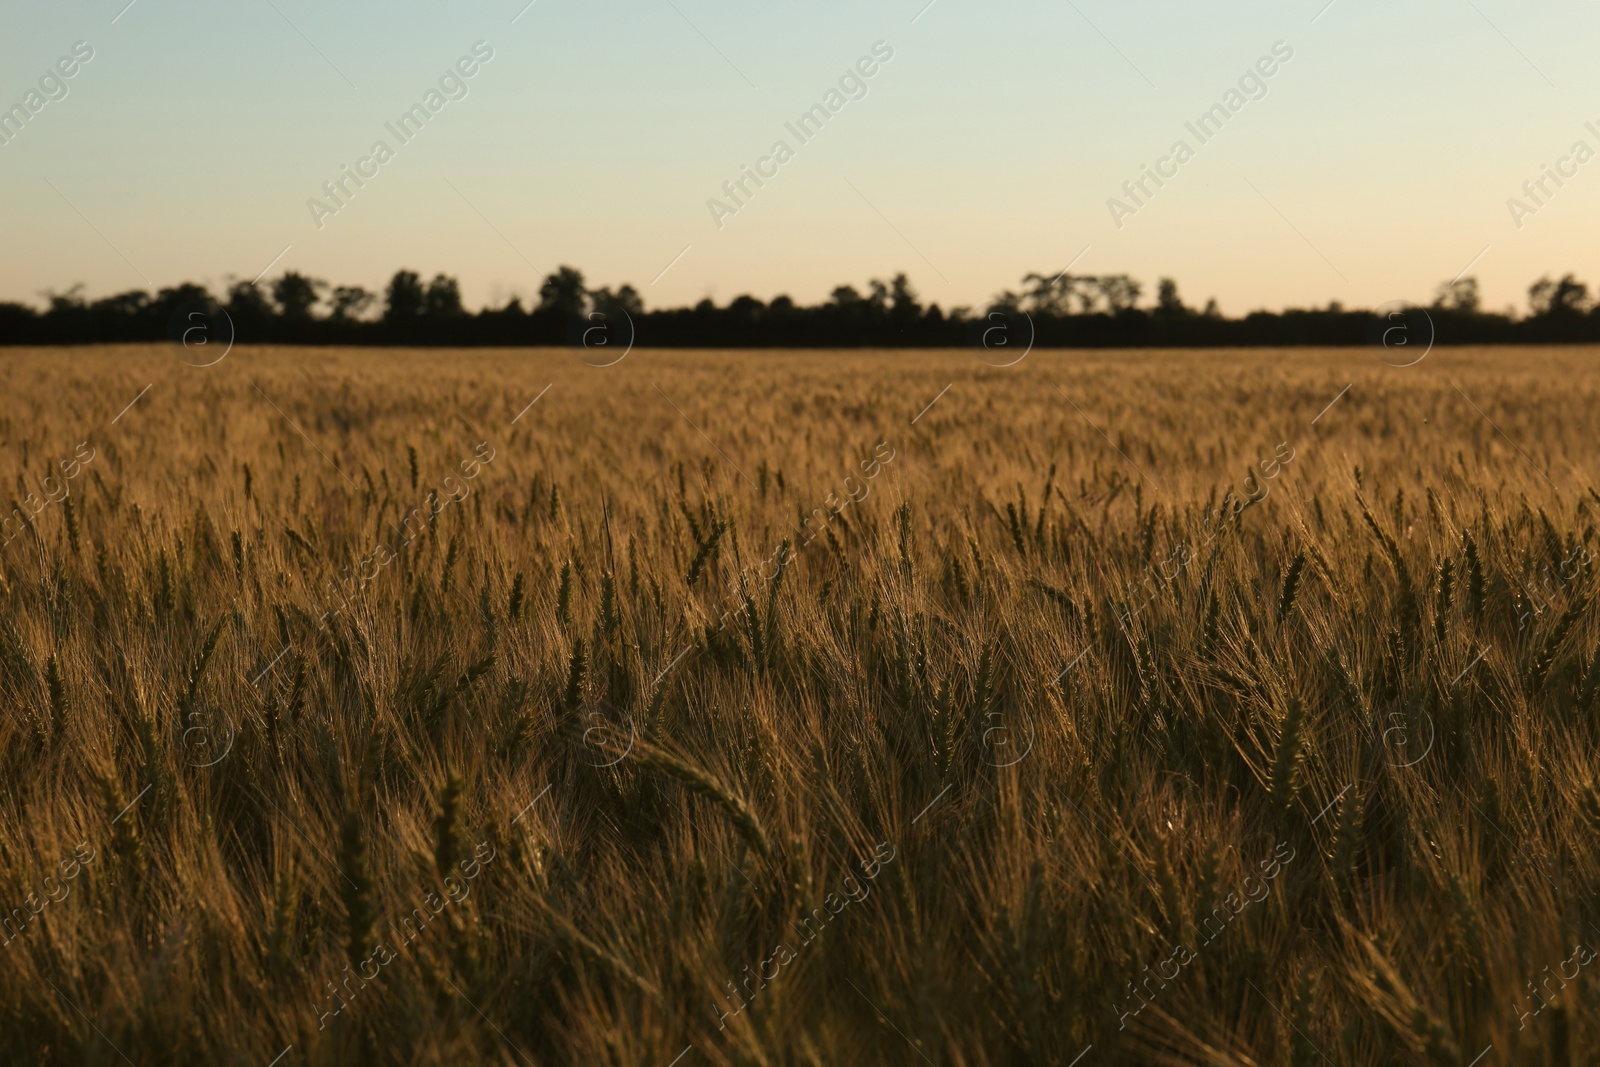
x,y
1120,292
296,295
443,298
130,303
878,297
1068,311
349,301
1459,295
68,302
1565,298
169,301
1044,296
746,308
1168,303
247,306
624,299
1006,300
563,293
1085,289
404,298
903,306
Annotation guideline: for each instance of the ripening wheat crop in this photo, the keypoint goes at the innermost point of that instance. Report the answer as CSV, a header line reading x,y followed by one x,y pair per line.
x,y
434,707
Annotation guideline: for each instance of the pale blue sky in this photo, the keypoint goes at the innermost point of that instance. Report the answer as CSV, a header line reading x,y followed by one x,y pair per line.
x,y
1381,159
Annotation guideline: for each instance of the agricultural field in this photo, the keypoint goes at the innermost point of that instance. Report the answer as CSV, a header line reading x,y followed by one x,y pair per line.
x,y
449,707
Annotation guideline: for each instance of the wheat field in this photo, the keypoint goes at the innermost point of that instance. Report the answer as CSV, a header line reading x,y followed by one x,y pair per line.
x,y
448,707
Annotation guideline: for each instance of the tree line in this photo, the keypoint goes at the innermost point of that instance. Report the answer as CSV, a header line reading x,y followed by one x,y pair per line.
x,y
1067,310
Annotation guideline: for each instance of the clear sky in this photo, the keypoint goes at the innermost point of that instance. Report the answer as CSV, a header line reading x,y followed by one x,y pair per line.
x,y
1378,163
